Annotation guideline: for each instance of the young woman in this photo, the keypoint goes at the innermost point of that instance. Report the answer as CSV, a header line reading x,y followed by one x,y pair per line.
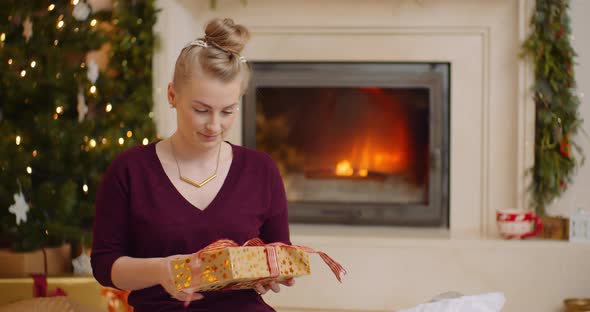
x,y
180,194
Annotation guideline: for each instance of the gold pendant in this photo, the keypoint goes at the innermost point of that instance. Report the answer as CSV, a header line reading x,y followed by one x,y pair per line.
x,y
191,182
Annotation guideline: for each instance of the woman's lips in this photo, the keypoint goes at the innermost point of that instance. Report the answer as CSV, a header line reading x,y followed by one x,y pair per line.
x,y
208,137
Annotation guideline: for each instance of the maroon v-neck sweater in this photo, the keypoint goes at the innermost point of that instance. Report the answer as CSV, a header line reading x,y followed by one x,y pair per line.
x,y
139,213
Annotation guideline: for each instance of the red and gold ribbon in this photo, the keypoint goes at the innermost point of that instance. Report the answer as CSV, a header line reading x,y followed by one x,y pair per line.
x,y
336,268
272,259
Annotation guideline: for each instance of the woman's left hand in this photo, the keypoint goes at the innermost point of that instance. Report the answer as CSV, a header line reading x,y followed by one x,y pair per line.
x,y
264,288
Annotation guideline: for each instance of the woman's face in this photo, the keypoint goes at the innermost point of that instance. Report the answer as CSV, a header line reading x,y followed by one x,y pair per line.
x,y
205,109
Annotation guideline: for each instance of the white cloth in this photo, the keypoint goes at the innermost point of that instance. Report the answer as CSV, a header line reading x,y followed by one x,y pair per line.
x,y
488,302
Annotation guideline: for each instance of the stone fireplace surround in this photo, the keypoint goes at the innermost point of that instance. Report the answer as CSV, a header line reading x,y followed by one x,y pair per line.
x,y
492,137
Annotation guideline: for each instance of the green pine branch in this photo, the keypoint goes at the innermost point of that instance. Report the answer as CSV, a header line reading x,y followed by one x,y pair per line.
x,y
557,118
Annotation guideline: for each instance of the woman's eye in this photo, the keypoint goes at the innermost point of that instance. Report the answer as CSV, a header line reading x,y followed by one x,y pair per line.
x,y
200,110
227,112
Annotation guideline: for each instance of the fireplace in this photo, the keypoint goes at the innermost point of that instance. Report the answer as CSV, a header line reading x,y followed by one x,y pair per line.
x,y
356,143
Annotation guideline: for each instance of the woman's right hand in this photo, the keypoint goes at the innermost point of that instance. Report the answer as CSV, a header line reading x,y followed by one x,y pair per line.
x,y
167,278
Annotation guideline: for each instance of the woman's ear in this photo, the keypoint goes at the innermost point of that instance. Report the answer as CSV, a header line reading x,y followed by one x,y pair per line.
x,y
171,95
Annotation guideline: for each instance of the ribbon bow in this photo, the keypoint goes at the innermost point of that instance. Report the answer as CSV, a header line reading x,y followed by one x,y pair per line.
x,y
336,268
40,282
272,260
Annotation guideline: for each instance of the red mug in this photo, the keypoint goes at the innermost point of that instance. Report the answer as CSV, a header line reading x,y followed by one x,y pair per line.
x,y
518,224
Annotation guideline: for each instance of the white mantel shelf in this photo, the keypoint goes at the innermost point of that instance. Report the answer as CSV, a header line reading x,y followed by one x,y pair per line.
x,y
391,237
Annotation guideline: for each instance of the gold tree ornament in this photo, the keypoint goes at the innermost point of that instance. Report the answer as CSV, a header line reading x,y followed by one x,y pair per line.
x,y
27,29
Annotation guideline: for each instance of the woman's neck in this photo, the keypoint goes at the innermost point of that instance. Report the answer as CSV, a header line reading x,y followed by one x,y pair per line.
x,y
192,153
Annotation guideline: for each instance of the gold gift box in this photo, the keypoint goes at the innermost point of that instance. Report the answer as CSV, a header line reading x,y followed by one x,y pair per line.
x,y
18,264
239,267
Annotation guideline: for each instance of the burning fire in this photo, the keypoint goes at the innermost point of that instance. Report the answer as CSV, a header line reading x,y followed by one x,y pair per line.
x,y
345,169
372,157
373,142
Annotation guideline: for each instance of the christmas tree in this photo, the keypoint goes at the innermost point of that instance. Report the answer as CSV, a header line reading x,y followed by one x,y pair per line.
x,y
63,118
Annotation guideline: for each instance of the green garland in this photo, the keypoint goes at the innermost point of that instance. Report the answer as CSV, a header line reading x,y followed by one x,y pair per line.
x,y
556,102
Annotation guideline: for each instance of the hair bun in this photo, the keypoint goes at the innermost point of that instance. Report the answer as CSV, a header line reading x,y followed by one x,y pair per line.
x,y
226,35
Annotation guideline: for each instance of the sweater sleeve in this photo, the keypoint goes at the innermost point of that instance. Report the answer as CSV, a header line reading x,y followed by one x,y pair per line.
x,y
111,222
276,226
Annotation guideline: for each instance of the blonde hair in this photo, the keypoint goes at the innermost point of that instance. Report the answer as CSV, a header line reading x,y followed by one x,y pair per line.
x,y
220,56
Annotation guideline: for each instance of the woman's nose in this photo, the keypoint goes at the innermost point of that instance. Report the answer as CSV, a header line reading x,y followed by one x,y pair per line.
x,y
213,125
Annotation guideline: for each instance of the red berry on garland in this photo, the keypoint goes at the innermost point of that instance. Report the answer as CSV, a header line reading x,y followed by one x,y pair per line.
x,y
564,148
560,33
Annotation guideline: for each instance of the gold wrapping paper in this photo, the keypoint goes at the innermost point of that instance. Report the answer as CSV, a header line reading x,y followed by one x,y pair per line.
x,y
239,267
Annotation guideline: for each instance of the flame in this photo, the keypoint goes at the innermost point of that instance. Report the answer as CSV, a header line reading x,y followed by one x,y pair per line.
x,y
343,168
380,139
373,156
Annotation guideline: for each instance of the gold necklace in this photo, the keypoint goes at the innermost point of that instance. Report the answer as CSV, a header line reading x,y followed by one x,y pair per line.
x,y
189,181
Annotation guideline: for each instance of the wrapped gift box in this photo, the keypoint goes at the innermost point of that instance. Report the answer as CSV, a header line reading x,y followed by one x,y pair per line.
x,y
224,265
56,261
